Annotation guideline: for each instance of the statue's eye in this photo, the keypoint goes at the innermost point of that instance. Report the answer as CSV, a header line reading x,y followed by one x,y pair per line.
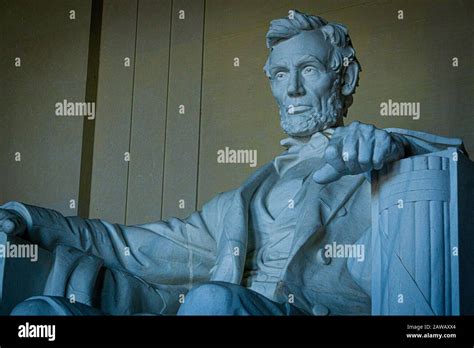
x,y
280,75
309,70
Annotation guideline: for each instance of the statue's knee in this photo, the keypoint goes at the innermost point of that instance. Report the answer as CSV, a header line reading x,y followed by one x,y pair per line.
x,y
211,292
215,298
39,305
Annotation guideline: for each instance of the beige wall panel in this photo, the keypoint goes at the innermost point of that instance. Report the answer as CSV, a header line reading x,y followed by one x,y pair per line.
x,y
53,51
149,112
182,130
114,105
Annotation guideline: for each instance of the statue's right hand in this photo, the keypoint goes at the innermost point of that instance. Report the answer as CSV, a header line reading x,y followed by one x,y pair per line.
x,y
11,222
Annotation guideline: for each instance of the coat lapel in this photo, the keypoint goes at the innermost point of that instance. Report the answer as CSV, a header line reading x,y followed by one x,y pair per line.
x,y
232,245
321,205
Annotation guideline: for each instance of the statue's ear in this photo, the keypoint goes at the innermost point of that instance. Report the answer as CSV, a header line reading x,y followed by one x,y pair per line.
x,y
350,78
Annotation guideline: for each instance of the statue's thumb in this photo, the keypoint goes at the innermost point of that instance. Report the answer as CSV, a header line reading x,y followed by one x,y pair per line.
x,y
326,174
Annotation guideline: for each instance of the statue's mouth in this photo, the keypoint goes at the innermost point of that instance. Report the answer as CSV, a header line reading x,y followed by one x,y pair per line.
x,y
292,109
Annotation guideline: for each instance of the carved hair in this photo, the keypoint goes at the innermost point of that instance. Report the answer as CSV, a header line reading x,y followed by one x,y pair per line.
x,y
285,28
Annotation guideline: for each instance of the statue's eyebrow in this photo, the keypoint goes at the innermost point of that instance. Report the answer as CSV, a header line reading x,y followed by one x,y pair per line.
x,y
278,65
309,58
306,59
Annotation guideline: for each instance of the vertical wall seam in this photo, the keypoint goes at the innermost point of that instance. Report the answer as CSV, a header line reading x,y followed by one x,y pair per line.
x,y
200,104
131,114
166,110
88,130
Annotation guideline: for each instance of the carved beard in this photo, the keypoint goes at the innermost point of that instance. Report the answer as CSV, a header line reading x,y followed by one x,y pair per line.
x,y
301,125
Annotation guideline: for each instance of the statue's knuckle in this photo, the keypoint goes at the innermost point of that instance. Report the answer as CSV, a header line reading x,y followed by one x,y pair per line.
x,y
365,160
331,152
378,162
351,154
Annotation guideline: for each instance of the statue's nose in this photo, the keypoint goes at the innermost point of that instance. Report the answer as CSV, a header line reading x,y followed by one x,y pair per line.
x,y
295,88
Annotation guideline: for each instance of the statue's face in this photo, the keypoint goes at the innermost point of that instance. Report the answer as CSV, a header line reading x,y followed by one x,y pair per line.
x,y
304,85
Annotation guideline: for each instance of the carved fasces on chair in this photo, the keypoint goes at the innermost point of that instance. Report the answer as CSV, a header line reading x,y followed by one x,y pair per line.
x,y
415,236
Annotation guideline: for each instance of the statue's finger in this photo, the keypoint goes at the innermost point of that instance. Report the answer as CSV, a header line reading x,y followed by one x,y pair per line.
x,y
326,174
365,153
333,156
350,154
379,156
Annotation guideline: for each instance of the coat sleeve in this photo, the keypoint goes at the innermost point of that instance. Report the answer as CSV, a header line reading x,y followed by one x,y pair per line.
x,y
420,143
164,252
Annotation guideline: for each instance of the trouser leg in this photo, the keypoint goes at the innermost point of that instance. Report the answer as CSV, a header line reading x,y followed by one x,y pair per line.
x,y
53,305
221,298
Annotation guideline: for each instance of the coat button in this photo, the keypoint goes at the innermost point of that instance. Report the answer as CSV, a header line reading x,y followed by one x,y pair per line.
x,y
319,309
322,258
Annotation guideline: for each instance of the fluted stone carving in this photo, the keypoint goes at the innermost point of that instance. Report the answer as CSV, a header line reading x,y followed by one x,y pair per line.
x,y
416,211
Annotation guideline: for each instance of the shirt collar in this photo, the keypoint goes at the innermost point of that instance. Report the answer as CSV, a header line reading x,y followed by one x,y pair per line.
x,y
300,148
294,144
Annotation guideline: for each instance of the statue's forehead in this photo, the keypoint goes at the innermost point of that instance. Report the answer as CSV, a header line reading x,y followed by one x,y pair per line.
x,y
305,43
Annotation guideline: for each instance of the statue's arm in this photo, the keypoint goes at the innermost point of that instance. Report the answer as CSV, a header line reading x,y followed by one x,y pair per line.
x,y
360,148
165,251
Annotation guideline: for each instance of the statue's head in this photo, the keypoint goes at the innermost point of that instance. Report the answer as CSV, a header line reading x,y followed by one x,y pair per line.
x,y
313,72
